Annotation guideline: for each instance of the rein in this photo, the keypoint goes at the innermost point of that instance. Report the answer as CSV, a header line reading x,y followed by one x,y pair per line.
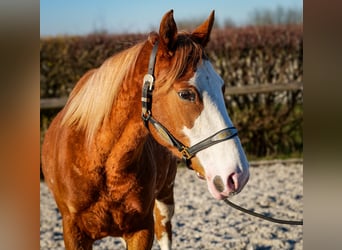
x,y
271,219
189,152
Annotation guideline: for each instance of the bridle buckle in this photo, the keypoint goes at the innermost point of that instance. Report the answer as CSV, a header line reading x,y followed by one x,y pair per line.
x,y
150,79
186,154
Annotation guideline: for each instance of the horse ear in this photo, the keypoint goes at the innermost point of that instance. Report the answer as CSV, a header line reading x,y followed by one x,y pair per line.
x,y
168,31
202,33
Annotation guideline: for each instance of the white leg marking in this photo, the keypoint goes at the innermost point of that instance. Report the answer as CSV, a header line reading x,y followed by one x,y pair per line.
x,y
123,243
167,212
164,242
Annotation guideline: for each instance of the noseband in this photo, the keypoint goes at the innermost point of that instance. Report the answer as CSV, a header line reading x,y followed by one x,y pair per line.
x,y
146,99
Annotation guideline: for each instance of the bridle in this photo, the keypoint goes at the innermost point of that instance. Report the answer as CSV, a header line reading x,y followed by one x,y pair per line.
x,y
187,152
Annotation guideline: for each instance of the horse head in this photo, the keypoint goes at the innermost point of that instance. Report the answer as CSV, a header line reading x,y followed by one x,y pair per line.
x,y
184,107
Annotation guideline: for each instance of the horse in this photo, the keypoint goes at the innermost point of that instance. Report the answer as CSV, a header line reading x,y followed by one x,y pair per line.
x,y
110,155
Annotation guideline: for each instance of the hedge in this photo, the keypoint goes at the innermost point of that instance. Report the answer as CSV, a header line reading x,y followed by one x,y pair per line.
x,y
270,125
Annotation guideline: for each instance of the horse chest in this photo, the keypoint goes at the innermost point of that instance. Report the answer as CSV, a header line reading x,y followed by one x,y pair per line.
x,y
115,217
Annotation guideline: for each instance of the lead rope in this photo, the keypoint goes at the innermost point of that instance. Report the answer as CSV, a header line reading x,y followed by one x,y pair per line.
x,y
219,186
288,222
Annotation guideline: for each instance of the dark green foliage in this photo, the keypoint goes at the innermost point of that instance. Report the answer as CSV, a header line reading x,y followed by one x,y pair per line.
x,y
63,60
269,124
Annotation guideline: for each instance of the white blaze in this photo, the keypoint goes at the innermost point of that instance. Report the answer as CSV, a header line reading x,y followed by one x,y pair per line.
x,y
225,157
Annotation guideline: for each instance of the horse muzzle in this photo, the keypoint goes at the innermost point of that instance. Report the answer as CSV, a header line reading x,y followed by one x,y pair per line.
x,y
224,187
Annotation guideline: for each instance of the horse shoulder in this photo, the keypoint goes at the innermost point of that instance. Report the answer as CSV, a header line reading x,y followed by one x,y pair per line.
x,y
68,170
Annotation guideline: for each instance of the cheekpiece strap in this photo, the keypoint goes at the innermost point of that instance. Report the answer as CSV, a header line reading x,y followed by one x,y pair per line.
x,y
148,86
153,57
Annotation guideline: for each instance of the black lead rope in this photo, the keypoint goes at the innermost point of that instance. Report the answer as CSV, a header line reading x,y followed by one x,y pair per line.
x,y
288,222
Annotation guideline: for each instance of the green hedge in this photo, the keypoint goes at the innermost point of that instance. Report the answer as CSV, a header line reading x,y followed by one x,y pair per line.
x,y
63,60
270,125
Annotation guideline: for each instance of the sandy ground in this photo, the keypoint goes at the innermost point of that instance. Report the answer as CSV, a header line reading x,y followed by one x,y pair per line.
x,y
201,222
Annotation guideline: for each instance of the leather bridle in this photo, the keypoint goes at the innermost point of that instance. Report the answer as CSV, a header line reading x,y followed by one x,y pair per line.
x,y
146,99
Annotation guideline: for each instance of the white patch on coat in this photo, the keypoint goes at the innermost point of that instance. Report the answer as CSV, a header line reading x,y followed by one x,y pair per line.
x,y
164,242
165,211
225,157
123,243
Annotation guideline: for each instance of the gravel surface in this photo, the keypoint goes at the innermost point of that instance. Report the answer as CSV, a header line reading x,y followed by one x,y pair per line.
x,y
201,222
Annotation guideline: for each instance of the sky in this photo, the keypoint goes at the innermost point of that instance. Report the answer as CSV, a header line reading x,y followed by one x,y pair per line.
x,y
81,17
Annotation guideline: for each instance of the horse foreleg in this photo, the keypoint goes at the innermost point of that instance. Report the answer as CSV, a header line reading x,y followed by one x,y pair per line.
x,y
142,239
74,238
163,212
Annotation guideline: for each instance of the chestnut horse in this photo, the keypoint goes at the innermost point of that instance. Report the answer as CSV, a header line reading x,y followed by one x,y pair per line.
x,y
110,156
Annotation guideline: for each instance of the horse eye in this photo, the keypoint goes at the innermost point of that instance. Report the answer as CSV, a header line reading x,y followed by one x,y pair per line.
x,y
187,95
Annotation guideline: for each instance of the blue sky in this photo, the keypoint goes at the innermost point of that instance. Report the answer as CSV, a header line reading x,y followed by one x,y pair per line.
x,y
79,17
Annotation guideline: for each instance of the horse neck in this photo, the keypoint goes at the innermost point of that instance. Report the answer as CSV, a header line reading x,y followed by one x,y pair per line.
x,y
123,134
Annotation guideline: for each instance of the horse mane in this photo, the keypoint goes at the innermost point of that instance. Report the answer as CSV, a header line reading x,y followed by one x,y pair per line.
x,y
90,103
188,54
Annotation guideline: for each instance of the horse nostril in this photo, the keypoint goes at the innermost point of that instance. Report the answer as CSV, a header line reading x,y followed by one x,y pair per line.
x,y
232,184
218,183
